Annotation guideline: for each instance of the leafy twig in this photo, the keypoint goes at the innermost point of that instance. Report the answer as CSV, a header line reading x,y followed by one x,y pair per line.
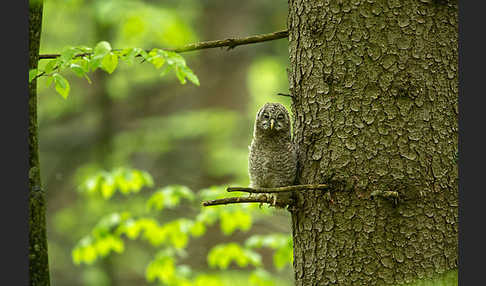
x,y
230,43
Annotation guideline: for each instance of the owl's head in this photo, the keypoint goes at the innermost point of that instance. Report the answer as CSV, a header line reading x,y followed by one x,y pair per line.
x,y
273,118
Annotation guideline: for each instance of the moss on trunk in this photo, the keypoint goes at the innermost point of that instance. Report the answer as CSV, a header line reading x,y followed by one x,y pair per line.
x,y
375,90
38,255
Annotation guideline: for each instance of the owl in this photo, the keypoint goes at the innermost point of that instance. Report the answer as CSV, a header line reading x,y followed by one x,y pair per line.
x,y
272,161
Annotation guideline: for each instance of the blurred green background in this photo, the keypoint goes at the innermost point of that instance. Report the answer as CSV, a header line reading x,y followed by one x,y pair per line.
x,y
110,224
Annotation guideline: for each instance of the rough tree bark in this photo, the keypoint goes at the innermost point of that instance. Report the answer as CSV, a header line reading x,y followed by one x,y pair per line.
x,y
38,258
375,89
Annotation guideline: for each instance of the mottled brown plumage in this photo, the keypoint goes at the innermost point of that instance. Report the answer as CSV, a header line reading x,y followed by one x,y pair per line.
x,y
272,161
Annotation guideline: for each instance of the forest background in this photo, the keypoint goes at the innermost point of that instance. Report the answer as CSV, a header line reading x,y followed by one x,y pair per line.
x,y
186,140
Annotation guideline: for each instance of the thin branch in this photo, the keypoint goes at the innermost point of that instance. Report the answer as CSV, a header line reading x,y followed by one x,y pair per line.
x,y
284,94
230,43
262,198
53,56
279,189
39,75
238,200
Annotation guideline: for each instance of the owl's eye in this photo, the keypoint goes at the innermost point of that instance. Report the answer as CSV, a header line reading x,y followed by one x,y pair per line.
x,y
280,117
266,116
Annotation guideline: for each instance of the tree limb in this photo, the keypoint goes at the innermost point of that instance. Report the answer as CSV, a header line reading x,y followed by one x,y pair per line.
x,y
279,189
237,200
230,43
261,198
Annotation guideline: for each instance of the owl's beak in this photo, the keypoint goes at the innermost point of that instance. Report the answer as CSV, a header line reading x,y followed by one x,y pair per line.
x,y
272,122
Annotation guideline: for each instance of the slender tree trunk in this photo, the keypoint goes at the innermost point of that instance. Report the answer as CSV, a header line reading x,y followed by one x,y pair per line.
x,y
38,255
375,91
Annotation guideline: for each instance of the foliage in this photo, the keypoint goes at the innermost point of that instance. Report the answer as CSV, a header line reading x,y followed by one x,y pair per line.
x,y
282,244
124,180
172,237
169,196
222,255
83,60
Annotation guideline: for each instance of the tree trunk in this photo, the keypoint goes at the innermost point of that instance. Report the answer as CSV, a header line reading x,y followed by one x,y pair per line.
x,y
375,89
38,256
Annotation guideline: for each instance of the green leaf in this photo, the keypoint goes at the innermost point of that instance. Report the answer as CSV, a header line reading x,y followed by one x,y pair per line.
x,y
32,74
190,75
198,229
94,63
161,268
49,80
208,216
62,85
280,242
208,280
100,51
156,57
169,196
49,67
282,257
102,48
223,254
77,69
144,54
165,70
83,63
174,58
157,61
108,187
87,78
109,62
128,55
108,223
125,180
232,220
66,55
107,244
84,252
180,75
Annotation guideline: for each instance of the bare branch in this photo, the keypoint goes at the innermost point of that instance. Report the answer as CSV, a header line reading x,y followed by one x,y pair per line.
x,y
262,198
230,43
237,200
284,94
279,189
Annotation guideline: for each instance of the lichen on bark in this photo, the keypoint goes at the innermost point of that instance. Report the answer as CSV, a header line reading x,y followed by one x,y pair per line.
x,y
374,87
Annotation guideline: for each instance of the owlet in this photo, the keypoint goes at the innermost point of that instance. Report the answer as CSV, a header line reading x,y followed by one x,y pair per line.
x,y
272,161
